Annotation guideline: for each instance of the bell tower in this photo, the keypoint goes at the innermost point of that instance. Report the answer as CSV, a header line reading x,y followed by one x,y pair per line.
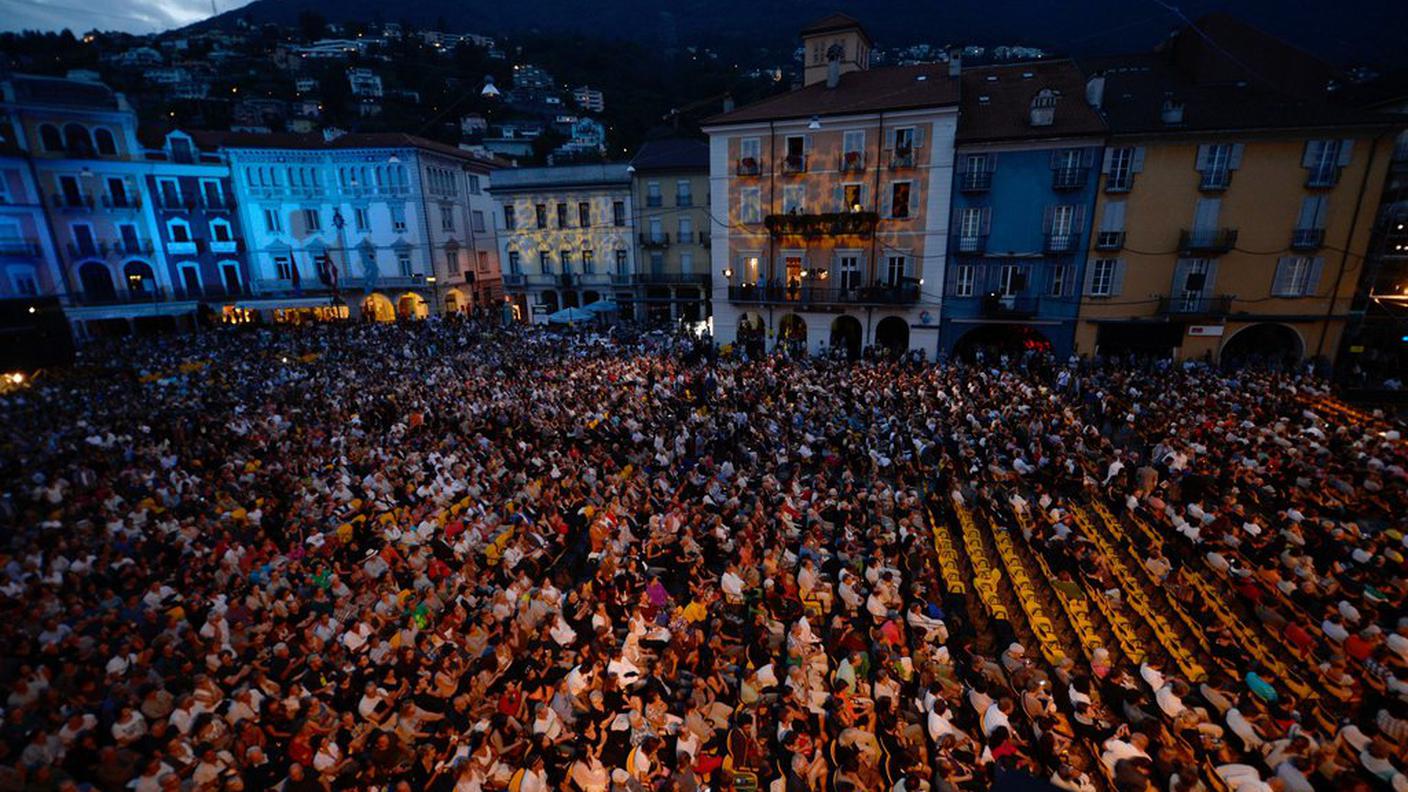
x,y
832,46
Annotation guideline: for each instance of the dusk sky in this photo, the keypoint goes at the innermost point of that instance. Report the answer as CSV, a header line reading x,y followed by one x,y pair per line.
x,y
133,16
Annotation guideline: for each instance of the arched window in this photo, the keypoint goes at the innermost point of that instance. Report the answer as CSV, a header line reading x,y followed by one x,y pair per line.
x,y
50,138
107,145
140,278
97,282
77,140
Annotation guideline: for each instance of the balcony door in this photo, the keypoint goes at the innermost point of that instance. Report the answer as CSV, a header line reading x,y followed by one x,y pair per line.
x,y
848,277
1192,283
793,264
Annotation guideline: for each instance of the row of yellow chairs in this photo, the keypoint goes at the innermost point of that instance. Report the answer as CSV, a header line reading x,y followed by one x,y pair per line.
x,y
1134,596
985,575
1120,625
948,557
1076,608
1027,597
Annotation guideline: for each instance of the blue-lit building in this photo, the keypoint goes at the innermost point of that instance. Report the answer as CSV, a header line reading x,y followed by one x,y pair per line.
x,y
197,224
1027,159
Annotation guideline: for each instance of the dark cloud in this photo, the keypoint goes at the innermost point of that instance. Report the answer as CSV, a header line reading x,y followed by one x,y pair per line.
x,y
132,16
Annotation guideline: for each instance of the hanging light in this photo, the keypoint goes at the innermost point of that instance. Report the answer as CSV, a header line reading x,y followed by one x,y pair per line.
x,y
815,123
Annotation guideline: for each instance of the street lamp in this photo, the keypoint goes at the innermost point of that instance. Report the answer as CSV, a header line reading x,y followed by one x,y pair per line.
x,y
434,291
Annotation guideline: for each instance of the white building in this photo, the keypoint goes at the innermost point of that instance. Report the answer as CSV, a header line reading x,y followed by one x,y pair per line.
x,y
365,83
377,226
565,237
589,98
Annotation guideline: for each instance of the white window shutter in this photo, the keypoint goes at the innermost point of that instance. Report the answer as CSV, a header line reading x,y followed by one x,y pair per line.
x,y
1346,151
914,199
1087,157
1308,209
1234,160
986,221
865,197
1048,219
1137,162
1203,153
806,144
1211,279
1312,283
889,139
990,162
838,198
1089,286
1322,207
1114,216
919,136
1312,153
1105,163
1117,280
1056,158
1281,284
1078,219
1180,276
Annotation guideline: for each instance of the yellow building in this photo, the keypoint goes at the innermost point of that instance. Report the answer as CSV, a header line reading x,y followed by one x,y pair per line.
x,y
1234,210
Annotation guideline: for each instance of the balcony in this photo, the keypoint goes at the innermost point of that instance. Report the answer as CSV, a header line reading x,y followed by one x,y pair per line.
x,y
215,292
1196,305
902,158
96,250
515,279
654,201
1323,178
672,279
26,248
219,203
656,241
76,201
1207,241
852,162
1061,243
748,166
224,246
768,294
1010,306
975,181
1119,183
684,199
566,280
136,247
122,296
794,163
972,244
123,202
186,248
621,278
170,203
1215,180
860,224
1307,238
1109,240
1069,178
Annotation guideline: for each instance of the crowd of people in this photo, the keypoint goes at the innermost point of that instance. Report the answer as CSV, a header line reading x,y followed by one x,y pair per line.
x,y
450,556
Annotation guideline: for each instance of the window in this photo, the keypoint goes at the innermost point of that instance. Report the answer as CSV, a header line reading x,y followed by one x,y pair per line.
x,y
977,173
283,268
170,192
127,233
848,271
25,281
657,262
686,229
398,218
447,218
117,192
515,263
963,280
584,215
179,231
796,154
359,219
750,151
311,220
686,262
1192,279
750,209
899,200
794,198
72,192
474,188
509,222
588,262
83,239
1102,278
403,264
1058,280
544,262
50,138
657,230
749,265
622,265
220,231
565,258
562,215
1310,223
896,267
1111,234
190,279
904,141
1120,166
540,213
653,198
1324,159
1061,226
230,274
1216,161
684,193
476,217
483,261
212,193
1011,280
618,213
853,142
972,227
852,198
1296,276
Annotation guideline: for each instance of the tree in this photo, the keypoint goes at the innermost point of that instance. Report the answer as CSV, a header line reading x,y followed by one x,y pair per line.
x,y
311,25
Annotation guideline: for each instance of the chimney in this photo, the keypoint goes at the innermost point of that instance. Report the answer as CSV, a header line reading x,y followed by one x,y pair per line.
x,y
833,73
1095,91
955,64
728,103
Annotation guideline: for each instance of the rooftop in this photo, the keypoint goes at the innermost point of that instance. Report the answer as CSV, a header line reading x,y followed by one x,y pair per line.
x,y
674,153
608,174
353,140
834,22
867,91
997,102
60,92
